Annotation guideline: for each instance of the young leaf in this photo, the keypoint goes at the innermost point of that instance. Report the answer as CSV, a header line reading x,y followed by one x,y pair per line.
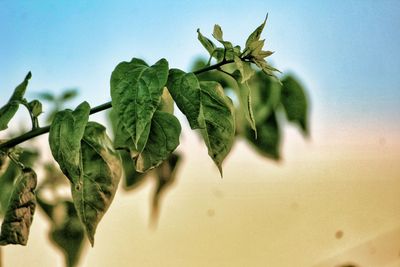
x,y
65,137
35,107
94,191
136,91
8,111
229,52
185,90
244,95
207,43
21,207
294,101
218,115
255,36
163,140
166,103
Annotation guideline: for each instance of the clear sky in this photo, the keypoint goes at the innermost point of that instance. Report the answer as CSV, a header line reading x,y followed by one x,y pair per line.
x,y
347,55
346,52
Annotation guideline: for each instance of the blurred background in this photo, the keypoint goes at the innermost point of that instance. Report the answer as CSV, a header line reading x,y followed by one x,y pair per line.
x,y
333,200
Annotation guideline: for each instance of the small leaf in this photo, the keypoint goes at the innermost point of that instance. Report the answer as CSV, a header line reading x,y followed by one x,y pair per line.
x,y
163,140
245,70
229,52
47,96
294,101
69,94
8,111
65,137
218,115
207,43
21,207
255,36
136,91
94,191
35,107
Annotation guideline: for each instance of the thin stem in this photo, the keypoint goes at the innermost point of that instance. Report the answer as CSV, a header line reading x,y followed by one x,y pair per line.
x,y
42,130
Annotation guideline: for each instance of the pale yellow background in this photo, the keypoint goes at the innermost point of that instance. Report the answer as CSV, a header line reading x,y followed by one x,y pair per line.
x,y
260,214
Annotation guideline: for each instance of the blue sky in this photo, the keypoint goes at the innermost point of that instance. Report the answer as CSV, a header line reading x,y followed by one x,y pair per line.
x,y
345,52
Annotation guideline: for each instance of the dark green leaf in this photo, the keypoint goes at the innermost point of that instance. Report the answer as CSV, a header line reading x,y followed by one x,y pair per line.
x,y
294,101
8,111
96,187
132,178
207,43
163,140
206,108
65,137
136,91
268,139
166,174
21,207
218,115
68,235
185,90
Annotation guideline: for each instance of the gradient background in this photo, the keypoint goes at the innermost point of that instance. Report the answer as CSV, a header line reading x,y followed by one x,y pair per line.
x,y
345,178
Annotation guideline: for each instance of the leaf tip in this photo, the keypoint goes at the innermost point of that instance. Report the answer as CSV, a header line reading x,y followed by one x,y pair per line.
x,y
28,76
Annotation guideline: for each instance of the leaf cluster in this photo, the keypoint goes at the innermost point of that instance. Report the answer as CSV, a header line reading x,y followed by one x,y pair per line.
x,y
239,95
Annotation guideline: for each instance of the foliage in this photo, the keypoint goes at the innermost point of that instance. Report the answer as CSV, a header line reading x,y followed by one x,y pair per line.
x,y
223,99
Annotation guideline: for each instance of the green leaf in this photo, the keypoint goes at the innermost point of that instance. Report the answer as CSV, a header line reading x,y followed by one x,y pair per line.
x,y
245,70
21,207
207,108
69,235
132,178
65,137
35,107
47,96
69,94
294,101
136,91
8,111
163,140
94,191
269,137
166,175
255,36
207,43
185,90
218,115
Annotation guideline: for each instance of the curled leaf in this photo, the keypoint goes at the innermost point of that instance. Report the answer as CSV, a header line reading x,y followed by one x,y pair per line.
x,y
21,207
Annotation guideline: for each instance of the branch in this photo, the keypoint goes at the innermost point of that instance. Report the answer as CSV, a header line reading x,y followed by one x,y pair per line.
x,y
42,130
